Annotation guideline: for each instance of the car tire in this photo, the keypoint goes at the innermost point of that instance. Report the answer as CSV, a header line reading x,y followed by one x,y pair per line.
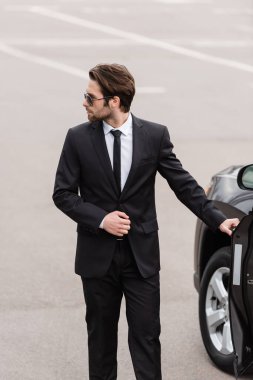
x,y
214,310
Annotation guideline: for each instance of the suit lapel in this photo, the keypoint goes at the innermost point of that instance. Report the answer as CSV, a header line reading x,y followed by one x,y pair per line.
x,y
139,145
139,139
98,140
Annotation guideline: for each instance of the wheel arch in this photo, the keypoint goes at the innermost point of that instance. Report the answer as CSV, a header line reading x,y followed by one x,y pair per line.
x,y
208,242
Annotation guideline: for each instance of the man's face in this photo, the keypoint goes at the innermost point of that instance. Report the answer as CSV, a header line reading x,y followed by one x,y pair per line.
x,y
98,110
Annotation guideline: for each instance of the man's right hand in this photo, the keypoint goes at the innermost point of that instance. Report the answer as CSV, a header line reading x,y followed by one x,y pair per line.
x,y
117,223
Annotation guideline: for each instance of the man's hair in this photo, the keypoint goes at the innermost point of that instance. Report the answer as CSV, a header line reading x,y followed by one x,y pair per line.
x,y
115,80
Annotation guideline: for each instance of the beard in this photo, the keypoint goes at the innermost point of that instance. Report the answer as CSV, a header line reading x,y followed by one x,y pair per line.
x,y
92,117
98,115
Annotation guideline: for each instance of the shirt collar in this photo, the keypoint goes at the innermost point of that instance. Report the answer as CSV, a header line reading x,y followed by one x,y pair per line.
x,y
125,128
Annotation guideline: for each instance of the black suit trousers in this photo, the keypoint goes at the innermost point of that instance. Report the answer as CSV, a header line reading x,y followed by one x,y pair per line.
x,y
103,300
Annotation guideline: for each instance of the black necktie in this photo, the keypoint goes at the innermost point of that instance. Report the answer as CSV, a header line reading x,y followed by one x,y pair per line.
x,y
117,158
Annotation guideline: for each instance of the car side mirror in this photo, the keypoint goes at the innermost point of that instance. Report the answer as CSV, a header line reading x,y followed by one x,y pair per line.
x,y
245,178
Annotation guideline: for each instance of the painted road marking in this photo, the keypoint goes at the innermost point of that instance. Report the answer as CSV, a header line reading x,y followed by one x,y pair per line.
x,y
66,68
221,43
140,38
43,61
90,42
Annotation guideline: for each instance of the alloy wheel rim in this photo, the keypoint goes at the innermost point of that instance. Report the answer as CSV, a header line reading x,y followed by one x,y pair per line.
x,y
217,311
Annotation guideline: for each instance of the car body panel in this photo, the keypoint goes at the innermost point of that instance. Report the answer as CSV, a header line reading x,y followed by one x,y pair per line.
x,y
241,295
207,242
233,202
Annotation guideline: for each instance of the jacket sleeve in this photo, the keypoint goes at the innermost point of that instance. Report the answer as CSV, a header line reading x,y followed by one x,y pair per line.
x,y
185,186
66,188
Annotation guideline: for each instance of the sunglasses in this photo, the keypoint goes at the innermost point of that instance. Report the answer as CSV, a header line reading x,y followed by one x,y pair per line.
x,y
89,99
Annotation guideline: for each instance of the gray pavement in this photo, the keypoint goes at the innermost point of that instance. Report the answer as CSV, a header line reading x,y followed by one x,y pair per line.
x,y
193,64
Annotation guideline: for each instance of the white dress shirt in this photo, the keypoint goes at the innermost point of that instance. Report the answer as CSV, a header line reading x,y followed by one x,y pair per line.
x,y
126,139
126,151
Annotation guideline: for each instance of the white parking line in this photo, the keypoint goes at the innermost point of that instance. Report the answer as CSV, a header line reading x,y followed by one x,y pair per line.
x,y
120,42
140,38
43,61
221,43
20,7
17,53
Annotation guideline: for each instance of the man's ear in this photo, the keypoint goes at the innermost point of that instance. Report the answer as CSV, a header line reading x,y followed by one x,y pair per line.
x,y
115,102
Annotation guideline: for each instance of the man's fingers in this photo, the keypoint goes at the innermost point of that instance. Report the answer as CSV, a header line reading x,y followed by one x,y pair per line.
x,y
227,231
124,232
235,222
120,232
229,225
117,223
125,224
121,214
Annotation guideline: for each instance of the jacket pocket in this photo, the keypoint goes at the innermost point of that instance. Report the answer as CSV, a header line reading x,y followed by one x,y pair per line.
x,y
150,226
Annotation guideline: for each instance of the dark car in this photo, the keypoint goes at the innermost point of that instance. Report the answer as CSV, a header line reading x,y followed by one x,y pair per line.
x,y
223,273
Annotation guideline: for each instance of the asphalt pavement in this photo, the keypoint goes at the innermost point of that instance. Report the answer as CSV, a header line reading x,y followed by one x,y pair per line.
x,y
193,65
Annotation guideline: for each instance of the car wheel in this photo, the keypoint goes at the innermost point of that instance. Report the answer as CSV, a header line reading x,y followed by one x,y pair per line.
x,y
214,310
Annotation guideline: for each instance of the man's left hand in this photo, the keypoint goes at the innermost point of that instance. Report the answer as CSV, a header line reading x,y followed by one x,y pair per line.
x,y
228,225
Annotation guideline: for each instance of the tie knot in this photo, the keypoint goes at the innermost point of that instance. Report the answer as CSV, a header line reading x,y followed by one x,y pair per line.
x,y
116,133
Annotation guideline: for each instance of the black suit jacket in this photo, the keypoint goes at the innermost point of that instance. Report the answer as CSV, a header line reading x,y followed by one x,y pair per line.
x,y
85,190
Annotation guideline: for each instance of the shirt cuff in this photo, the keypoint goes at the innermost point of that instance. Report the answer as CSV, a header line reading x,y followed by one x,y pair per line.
x,y
102,224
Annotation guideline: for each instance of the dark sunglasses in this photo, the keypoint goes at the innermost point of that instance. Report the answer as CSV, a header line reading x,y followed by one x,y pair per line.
x,y
89,99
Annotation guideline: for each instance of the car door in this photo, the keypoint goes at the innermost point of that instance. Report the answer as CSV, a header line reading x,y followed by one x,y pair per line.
x,y
241,295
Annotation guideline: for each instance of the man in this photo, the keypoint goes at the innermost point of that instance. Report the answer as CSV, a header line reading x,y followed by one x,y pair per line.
x,y
112,160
